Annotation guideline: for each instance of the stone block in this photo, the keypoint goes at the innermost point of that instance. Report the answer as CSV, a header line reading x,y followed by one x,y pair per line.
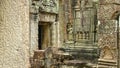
x,y
109,1
86,3
39,54
107,11
47,17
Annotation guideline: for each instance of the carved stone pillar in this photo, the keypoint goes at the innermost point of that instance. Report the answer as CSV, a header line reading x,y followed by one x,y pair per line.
x,y
107,41
54,34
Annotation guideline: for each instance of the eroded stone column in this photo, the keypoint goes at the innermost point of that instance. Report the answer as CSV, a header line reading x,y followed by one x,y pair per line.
x,y
14,33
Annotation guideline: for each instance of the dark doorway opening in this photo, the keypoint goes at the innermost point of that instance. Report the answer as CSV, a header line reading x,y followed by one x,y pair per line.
x,y
44,35
40,36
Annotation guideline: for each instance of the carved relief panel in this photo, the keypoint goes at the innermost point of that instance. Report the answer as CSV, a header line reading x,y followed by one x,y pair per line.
x,y
107,40
84,24
49,5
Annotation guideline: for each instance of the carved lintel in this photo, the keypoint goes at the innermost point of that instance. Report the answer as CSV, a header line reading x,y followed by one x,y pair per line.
x,y
48,5
47,17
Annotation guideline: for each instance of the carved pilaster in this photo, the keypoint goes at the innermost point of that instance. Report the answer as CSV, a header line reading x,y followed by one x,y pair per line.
x,y
107,40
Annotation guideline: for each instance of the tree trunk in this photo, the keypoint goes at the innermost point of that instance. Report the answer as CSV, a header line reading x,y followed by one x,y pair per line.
x,y
14,33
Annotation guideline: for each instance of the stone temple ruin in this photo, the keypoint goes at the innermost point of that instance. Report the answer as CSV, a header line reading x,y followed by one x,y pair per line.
x,y
83,30
60,34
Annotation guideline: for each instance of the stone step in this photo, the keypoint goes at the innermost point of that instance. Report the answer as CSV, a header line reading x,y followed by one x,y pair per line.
x,y
104,60
82,50
107,62
100,66
80,45
80,41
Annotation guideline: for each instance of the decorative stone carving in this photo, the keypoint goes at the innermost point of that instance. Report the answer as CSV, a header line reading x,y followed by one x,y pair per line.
x,y
47,17
70,31
107,27
86,3
48,5
84,20
106,11
107,40
109,1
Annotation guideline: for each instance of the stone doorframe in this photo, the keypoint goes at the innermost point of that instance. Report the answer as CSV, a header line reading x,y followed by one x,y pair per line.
x,y
50,19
